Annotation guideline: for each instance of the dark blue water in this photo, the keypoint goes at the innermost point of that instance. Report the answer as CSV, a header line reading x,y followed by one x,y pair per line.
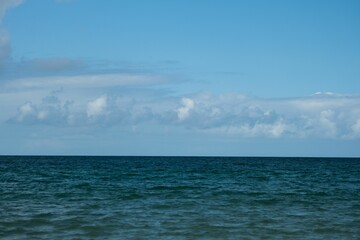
x,y
179,198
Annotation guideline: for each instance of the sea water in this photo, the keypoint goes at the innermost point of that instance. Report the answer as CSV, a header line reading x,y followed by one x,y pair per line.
x,y
179,198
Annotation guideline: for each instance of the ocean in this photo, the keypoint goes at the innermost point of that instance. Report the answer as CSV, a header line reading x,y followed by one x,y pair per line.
x,y
78,197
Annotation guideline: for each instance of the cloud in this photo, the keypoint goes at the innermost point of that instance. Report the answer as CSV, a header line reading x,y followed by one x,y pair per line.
x,y
236,115
50,111
104,110
247,130
55,64
332,116
84,81
5,5
184,111
356,128
96,107
25,110
327,123
5,48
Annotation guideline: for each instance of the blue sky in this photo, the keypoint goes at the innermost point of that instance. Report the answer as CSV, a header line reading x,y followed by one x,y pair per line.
x,y
259,78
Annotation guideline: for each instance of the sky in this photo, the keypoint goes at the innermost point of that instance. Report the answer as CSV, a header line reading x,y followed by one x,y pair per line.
x,y
202,78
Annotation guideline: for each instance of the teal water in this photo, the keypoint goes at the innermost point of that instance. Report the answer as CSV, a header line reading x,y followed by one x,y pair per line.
x,y
179,198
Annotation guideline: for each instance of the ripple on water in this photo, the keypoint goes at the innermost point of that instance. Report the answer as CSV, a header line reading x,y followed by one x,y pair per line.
x,y
178,198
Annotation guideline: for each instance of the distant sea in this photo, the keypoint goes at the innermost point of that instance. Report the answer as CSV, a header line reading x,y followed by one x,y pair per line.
x,y
179,198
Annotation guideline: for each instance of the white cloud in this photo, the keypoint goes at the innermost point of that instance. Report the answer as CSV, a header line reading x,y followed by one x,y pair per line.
x,y
326,122
50,111
83,81
246,130
184,111
334,117
96,107
324,94
25,110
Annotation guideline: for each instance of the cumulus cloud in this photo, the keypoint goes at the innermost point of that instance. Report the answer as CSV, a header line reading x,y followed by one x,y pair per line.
x,y
356,129
25,110
104,110
274,130
327,123
184,111
334,117
96,107
50,111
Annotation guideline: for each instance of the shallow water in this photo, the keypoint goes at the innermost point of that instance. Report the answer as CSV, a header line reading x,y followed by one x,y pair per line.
x,y
179,198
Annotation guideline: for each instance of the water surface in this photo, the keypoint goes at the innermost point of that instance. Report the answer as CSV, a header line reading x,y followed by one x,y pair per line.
x,y
179,198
